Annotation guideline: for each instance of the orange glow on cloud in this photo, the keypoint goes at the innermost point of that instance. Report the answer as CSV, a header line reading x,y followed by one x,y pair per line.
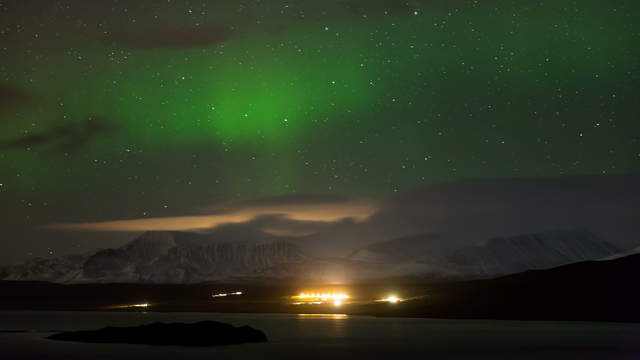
x,y
323,211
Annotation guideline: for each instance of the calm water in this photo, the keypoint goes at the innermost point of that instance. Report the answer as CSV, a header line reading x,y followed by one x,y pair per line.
x,y
330,337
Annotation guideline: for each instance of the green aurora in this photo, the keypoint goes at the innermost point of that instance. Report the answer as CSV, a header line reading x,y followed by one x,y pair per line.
x,y
355,97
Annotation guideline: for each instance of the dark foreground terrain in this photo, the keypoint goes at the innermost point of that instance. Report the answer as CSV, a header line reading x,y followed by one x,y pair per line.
x,y
590,291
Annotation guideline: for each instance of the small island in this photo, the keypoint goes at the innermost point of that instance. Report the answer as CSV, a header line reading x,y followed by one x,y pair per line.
x,y
203,333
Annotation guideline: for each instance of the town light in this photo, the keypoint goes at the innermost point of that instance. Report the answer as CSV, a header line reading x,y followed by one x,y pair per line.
x,y
337,299
392,299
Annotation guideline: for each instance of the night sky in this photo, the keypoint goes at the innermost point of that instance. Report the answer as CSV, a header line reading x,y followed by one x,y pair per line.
x,y
113,110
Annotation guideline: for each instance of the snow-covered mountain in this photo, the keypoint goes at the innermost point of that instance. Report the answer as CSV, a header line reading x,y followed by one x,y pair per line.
x,y
500,256
61,269
493,257
170,257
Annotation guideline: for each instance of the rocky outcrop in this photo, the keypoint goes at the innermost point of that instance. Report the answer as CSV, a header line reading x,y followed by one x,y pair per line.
x,y
204,333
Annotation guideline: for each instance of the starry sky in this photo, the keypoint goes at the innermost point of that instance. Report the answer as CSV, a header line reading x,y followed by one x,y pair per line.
x,y
123,109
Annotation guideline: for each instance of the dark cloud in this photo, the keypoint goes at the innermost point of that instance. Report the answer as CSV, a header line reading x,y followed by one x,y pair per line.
x,y
444,217
168,37
283,226
470,212
12,98
65,138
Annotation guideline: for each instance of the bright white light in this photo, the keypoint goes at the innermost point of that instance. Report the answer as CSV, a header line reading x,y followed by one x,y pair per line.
x,y
337,303
392,299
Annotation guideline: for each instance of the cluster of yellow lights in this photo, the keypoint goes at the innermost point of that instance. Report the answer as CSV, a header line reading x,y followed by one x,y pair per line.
x,y
320,298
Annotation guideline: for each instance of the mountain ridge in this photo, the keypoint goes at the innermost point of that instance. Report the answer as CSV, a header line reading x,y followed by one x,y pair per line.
x,y
235,253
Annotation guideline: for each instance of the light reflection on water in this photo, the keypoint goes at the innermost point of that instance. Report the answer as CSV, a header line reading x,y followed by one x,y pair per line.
x,y
334,325
323,316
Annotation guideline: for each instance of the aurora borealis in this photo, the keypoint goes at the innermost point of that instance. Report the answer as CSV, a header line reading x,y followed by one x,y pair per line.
x,y
130,109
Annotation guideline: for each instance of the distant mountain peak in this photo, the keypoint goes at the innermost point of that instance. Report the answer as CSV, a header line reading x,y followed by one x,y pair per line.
x,y
507,255
491,257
